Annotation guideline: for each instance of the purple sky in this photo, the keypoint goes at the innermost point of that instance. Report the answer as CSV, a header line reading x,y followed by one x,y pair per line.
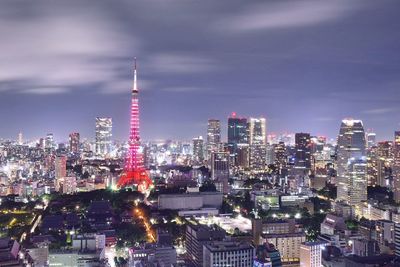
x,y
304,65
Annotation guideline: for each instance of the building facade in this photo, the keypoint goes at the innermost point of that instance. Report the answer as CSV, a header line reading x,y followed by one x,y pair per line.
x,y
351,162
103,136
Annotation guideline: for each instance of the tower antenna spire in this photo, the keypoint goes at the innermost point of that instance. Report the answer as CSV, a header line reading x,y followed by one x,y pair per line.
x,y
134,78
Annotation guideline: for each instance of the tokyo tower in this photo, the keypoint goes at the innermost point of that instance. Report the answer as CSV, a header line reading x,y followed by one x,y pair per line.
x,y
134,172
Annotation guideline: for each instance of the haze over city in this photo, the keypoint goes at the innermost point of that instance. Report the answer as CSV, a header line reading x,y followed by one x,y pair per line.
x,y
303,65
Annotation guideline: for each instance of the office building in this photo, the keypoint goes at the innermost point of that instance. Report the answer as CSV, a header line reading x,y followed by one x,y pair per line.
x,y
103,136
220,170
190,201
237,130
280,155
356,173
371,139
228,253
199,235
287,244
198,150
396,167
397,239
213,136
303,150
311,254
20,139
351,162
74,141
385,232
267,256
49,141
242,155
258,142
60,171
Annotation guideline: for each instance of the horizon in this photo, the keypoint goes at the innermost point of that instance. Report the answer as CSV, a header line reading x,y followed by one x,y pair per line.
x,y
304,66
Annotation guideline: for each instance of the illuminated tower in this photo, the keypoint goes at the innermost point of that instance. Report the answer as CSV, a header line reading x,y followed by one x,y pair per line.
x,y
134,172
351,162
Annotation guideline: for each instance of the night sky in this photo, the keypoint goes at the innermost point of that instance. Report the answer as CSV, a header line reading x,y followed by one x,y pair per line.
x,y
304,65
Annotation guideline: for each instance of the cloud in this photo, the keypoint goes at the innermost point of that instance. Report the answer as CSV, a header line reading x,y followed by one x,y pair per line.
x,y
282,14
45,91
64,45
379,111
181,63
183,89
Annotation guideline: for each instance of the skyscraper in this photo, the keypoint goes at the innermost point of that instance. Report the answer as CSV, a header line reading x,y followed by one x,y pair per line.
x,y
74,139
220,170
103,136
198,150
303,150
49,142
280,155
213,136
396,167
237,130
20,140
257,141
61,167
371,139
60,171
351,162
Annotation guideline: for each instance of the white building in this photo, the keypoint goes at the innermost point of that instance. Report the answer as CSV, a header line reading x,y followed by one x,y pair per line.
x,y
228,253
191,201
287,244
311,254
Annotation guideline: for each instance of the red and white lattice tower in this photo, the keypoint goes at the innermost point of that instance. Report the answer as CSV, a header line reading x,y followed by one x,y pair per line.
x,y
134,172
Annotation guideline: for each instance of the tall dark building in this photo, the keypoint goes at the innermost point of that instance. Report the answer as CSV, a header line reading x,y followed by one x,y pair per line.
x,y
237,131
303,150
220,170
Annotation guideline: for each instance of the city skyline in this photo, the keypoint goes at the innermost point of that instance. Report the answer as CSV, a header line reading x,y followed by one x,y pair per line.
x,y
303,73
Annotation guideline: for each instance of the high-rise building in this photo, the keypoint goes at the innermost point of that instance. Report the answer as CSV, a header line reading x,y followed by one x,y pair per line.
x,y
372,166
311,254
60,171
20,140
351,162
60,167
303,150
371,139
103,136
237,131
396,167
213,136
74,139
257,141
280,155
242,155
198,150
49,142
220,170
